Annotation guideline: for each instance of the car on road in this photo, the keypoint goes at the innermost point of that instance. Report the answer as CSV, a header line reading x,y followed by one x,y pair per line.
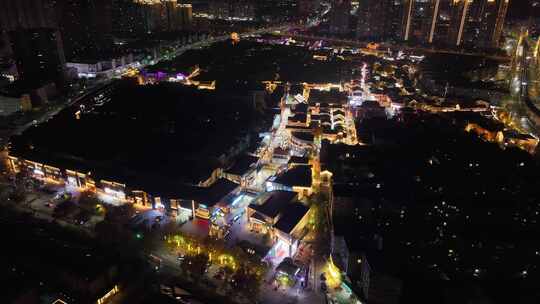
x,y
237,217
182,300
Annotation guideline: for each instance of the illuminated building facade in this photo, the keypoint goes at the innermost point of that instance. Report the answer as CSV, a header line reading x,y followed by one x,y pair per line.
x,y
484,22
202,200
283,218
235,10
297,179
447,24
166,15
418,20
454,22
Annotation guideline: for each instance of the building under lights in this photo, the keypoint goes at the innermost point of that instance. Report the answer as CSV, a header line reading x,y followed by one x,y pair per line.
x,y
279,214
441,22
454,22
297,179
167,162
169,15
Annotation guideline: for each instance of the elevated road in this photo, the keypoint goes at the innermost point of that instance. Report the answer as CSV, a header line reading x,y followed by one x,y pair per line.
x,y
396,47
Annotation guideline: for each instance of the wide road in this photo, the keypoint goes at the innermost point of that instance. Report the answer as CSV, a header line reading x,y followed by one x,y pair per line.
x,y
386,46
528,92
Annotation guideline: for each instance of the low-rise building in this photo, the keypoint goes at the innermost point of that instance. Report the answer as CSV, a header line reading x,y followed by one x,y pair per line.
x,y
281,155
201,200
103,68
243,170
10,105
279,214
302,142
298,179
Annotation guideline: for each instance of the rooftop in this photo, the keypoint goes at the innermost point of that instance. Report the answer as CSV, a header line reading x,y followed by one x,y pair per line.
x,y
242,164
159,137
291,217
333,96
305,136
298,160
275,204
299,176
298,118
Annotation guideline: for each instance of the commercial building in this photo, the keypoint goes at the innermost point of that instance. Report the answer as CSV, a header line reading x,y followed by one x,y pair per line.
x,y
13,104
279,214
113,143
442,22
23,96
240,10
165,15
297,178
196,200
243,170
105,68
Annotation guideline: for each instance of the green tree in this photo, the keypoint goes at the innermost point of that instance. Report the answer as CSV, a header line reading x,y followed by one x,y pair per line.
x,y
195,265
228,272
246,282
65,209
88,202
18,195
120,214
170,228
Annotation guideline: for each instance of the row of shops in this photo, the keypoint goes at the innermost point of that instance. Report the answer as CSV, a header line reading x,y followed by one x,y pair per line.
x,y
280,215
201,201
